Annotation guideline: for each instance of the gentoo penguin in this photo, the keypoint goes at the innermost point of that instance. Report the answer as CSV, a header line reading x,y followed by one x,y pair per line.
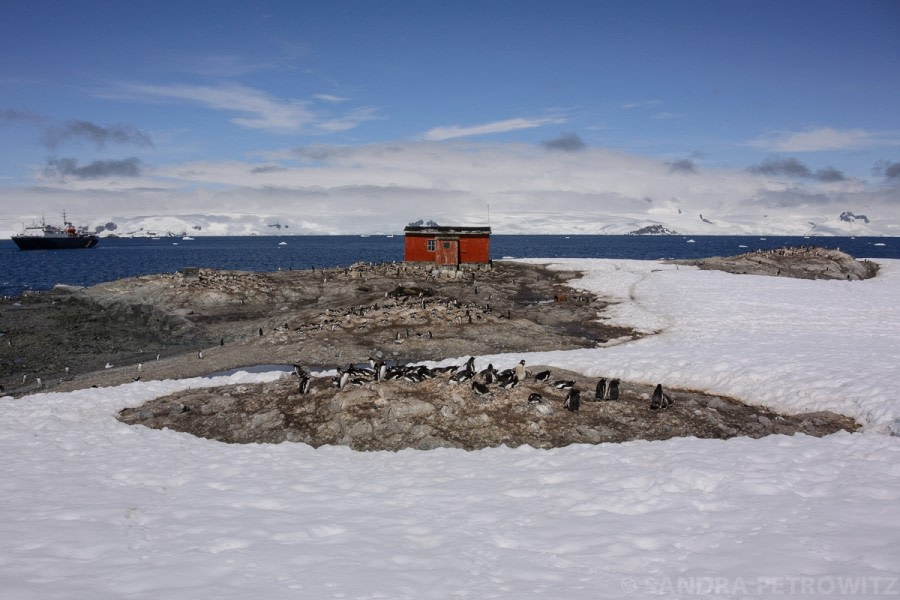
x,y
488,374
601,389
470,364
480,389
412,377
461,375
660,399
108,366
573,400
67,370
563,384
535,398
40,383
508,382
343,380
542,376
520,370
200,354
612,391
140,368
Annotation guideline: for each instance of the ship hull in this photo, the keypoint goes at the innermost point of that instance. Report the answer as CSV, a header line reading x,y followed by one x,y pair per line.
x,y
54,243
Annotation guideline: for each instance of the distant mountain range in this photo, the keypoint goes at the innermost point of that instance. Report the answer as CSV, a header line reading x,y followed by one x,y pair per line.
x,y
671,222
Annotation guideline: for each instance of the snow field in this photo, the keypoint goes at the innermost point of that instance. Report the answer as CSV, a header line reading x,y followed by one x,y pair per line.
x,y
789,344
92,508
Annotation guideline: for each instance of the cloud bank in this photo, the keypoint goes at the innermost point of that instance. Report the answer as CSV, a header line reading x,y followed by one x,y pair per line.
x,y
65,167
824,139
57,133
791,167
558,186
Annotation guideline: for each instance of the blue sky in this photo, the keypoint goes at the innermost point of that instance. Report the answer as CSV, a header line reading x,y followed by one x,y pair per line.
x,y
805,92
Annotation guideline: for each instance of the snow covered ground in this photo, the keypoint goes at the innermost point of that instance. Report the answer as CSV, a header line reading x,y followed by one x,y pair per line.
x,y
92,508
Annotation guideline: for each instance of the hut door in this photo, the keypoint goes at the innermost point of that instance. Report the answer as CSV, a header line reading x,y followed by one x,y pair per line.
x,y
447,252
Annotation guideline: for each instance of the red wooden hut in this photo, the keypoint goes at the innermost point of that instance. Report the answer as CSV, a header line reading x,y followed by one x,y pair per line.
x,y
448,246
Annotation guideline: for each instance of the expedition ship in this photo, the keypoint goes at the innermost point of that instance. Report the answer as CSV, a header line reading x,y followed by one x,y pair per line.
x,y
51,237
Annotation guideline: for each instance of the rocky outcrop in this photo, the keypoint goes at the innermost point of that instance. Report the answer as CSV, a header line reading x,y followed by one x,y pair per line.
x,y
653,230
806,262
436,413
317,317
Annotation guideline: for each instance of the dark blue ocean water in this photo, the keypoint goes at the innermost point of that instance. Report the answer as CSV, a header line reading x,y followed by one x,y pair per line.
x,y
120,257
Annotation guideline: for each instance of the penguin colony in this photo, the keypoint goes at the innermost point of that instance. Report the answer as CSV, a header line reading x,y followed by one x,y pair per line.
x,y
480,382
404,315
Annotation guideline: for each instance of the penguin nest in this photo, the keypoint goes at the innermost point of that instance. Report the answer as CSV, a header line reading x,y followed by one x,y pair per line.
x,y
437,413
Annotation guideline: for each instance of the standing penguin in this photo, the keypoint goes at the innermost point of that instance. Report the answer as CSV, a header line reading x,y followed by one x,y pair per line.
x,y
600,393
573,400
303,387
660,399
520,370
612,392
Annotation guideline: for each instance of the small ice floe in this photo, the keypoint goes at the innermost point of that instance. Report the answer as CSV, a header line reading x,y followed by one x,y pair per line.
x,y
741,246
282,243
691,241
878,244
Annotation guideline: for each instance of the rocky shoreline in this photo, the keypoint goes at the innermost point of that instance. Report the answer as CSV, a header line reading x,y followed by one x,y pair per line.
x,y
201,321
800,262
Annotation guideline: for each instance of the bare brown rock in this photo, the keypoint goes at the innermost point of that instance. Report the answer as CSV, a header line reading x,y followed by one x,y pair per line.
x,y
435,413
317,318
804,262
153,327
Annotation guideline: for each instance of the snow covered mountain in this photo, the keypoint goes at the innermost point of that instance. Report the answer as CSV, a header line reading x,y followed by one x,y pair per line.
x,y
520,222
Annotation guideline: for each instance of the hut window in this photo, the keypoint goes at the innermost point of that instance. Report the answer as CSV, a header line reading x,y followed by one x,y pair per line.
x,y
446,244
430,245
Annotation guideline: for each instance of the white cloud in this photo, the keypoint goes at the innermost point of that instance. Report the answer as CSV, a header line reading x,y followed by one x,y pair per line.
x,y
824,138
264,112
258,109
350,120
437,134
642,104
330,98
380,187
